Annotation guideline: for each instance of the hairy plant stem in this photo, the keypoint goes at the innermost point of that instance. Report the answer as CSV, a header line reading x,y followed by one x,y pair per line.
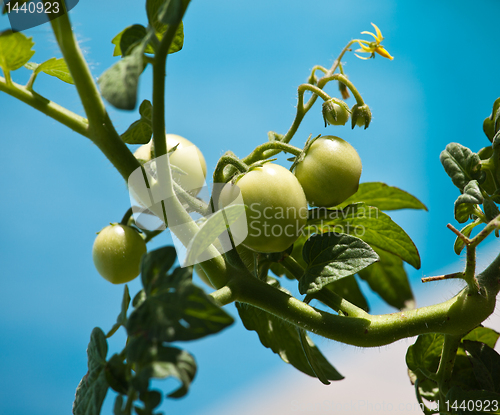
x,y
215,268
447,362
100,128
303,109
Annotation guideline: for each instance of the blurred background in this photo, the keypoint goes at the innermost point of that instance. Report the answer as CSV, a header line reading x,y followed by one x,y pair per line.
x,y
235,79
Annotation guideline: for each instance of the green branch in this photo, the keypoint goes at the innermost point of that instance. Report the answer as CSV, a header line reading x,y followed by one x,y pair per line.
x,y
100,128
69,119
460,314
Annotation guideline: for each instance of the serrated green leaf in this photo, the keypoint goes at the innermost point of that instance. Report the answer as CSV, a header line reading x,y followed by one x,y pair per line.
x,y
53,67
93,387
122,317
284,340
168,362
485,364
330,257
369,224
140,131
384,197
461,164
15,50
466,230
211,229
389,280
466,202
119,83
483,335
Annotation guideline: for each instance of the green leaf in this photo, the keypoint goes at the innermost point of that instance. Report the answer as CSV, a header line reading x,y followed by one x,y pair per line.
x,y
154,9
388,279
369,224
484,402
155,265
490,209
461,164
122,317
491,123
485,364
284,340
171,11
151,399
140,131
169,362
466,203
348,288
117,374
174,309
330,257
127,39
466,230
53,67
15,50
120,82
93,387
483,335
384,197
423,356
211,229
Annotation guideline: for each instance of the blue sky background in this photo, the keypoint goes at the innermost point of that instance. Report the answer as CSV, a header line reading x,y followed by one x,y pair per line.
x,y
235,80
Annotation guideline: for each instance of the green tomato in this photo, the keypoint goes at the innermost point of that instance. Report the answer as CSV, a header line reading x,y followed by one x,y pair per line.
x,y
330,171
276,207
190,162
117,253
335,114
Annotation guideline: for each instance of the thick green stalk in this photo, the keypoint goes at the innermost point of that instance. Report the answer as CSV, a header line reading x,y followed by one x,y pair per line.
x,y
456,316
100,129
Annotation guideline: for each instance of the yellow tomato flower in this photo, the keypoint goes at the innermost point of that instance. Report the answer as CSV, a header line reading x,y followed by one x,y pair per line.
x,y
373,47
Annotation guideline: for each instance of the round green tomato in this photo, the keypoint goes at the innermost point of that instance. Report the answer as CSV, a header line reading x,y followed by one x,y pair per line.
x,y
117,253
276,207
189,160
330,171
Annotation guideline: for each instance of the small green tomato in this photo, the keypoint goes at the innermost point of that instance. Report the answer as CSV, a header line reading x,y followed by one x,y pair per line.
x,y
190,162
276,207
335,113
117,253
330,171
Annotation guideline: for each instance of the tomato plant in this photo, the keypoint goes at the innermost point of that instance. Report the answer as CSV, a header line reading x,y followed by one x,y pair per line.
x,y
329,172
276,207
117,253
324,251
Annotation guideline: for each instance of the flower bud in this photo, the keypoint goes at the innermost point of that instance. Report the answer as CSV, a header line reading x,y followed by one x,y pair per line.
x,y
344,91
335,112
361,116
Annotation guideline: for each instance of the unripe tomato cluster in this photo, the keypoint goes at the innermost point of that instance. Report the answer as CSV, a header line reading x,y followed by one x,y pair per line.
x,y
276,200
